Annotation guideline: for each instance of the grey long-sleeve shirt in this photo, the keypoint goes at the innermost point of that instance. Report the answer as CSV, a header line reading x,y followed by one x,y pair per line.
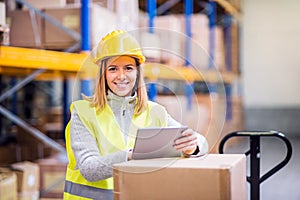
x,y
91,164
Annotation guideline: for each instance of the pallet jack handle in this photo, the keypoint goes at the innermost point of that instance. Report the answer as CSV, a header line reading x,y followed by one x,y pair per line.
x,y
254,179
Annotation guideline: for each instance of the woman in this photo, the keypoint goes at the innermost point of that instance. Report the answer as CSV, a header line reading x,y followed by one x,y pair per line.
x,y
102,128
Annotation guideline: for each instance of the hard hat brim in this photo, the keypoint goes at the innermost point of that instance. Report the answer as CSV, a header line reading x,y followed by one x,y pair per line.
x,y
140,58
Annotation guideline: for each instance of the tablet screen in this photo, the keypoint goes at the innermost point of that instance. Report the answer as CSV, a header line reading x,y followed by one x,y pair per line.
x,y
156,142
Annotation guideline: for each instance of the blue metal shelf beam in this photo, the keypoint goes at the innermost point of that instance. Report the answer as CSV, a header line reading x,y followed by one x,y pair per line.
x,y
212,16
228,62
151,7
188,8
85,25
85,42
228,42
14,102
189,88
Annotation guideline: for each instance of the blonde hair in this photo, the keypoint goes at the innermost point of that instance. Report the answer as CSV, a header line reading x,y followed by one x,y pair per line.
x,y
99,99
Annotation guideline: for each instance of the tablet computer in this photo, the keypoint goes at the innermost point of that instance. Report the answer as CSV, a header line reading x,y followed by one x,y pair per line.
x,y
156,142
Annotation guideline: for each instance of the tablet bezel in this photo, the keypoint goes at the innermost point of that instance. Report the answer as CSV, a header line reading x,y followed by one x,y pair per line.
x,y
156,142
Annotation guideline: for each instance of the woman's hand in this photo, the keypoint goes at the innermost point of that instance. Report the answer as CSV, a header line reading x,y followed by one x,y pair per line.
x,y
187,143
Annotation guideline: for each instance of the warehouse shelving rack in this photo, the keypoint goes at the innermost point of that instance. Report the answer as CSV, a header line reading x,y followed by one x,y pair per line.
x,y
230,13
44,64
34,64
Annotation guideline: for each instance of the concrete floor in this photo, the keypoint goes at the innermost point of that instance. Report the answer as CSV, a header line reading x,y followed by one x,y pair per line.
x,y
285,183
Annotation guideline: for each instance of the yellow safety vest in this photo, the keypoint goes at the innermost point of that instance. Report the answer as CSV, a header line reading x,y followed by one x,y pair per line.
x,y
105,129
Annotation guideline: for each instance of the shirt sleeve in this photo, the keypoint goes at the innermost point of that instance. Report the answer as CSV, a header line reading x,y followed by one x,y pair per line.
x,y
172,121
202,144
91,164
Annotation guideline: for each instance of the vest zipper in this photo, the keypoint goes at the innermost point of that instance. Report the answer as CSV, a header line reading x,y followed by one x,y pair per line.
x,y
122,124
123,112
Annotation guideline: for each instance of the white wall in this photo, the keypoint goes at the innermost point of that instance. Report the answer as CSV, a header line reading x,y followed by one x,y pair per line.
x,y
270,53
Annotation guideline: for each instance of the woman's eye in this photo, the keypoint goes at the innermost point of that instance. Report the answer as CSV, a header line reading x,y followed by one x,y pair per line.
x,y
129,68
112,69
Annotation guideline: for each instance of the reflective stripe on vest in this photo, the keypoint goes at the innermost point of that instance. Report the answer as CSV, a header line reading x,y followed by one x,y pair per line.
x,y
87,191
105,129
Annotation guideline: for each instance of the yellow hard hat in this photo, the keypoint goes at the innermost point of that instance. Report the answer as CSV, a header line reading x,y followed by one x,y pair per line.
x,y
118,43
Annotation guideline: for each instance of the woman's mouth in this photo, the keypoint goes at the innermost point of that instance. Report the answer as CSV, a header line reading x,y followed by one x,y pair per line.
x,y
121,85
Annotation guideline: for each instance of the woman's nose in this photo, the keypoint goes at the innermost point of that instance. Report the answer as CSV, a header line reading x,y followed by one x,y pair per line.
x,y
122,75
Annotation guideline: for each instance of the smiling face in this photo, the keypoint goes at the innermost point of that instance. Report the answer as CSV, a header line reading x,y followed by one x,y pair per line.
x,y
121,75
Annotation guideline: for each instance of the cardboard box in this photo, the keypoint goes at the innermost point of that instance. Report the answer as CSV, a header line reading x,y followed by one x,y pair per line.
x,y
52,177
166,43
7,154
199,43
28,176
73,1
213,177
2,13
38,4
25,29
219,51
32,195
8,185
69,16
28,147
171,30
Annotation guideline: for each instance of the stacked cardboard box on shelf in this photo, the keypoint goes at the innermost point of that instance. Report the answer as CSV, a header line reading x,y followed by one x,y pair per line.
x,y
213,177
40,33
171,31
53,123
29,147
169,39
38,4
26,24
74,1
197,118
207,116
2,13
69,16
25,29
219,49
32,180
20,181
52,176
235,48
8,184
199,43
28,179
7,154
